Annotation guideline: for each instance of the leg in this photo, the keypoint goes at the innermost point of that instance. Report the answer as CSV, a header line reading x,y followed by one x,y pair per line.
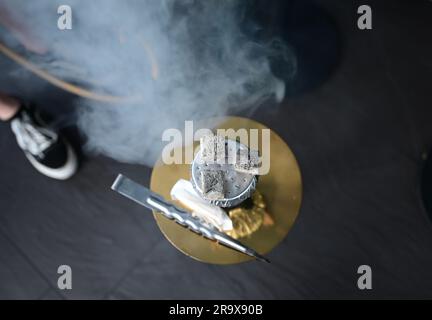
x,y
8,107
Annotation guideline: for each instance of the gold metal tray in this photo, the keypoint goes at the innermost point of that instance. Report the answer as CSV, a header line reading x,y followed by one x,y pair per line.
x,y
281,188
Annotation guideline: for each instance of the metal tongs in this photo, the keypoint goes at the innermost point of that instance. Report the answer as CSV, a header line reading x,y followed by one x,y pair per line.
x,y
154,201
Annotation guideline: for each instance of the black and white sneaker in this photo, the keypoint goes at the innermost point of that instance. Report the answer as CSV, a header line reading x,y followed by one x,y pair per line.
x,y
48,152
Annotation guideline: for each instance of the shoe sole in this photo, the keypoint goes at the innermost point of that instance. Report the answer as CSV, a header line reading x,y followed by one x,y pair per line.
x,y
62,173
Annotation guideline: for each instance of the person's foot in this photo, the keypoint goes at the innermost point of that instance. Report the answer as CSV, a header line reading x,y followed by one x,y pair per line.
x,y
46,150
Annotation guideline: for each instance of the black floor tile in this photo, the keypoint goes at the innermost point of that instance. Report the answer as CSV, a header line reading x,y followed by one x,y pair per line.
x,y
19,279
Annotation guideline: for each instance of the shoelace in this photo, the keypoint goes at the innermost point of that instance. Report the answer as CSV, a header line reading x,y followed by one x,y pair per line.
x,y
36,139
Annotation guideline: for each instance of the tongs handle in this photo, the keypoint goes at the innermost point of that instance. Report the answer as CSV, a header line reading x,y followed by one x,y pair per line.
x,y
180,216
186,220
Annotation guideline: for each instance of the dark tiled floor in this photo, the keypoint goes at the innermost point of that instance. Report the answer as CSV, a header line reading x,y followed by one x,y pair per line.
x,y
359,139
20,279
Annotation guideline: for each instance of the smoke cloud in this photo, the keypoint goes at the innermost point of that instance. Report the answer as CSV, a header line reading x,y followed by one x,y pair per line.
x,y
180,60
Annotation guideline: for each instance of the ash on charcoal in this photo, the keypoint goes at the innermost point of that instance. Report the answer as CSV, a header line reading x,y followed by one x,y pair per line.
x,y
213,149
247,161
212,184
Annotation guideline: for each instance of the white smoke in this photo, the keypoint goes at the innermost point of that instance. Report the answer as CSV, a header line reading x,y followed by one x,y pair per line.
x,y
183,60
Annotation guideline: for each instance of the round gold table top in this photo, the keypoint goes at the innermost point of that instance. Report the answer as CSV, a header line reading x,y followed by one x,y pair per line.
x,y
281,188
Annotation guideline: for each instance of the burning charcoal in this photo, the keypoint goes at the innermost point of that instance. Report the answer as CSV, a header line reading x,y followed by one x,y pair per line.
x,y
212,149
212,184
248,161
